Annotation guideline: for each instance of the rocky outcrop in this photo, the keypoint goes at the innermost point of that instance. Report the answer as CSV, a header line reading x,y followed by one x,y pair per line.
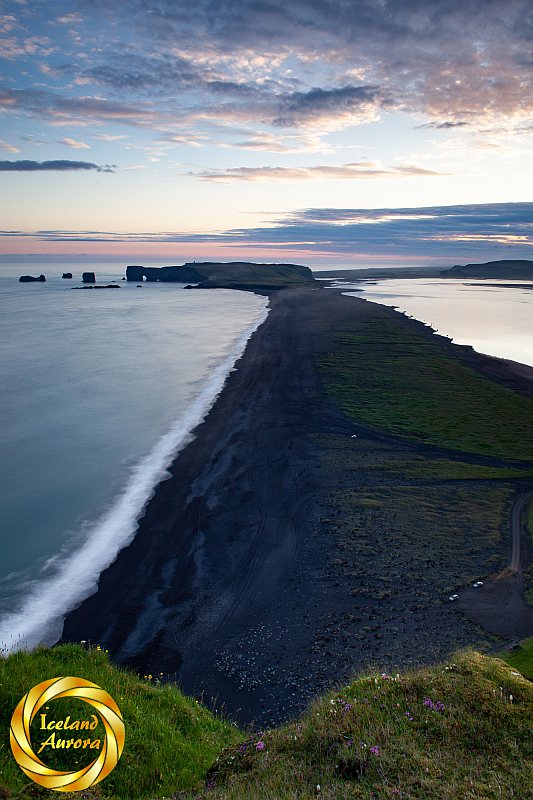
x,y
134,273
183,274
172,274
88,277
100,286
31,279
235,274
67,275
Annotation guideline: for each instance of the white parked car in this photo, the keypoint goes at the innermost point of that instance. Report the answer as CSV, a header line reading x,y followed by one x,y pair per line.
x,y
477,583
453,597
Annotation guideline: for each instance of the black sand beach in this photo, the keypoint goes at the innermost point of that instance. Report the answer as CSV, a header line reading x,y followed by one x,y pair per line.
x,y
238,584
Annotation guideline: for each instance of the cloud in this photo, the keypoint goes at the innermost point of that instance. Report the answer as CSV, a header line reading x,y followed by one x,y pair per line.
x,y
8,147
70,19
309,68
352,171
75,144
48,166
187,138
107,137
446,125
347,103
432,57
14,45
264,141
427,234
473,231
63,109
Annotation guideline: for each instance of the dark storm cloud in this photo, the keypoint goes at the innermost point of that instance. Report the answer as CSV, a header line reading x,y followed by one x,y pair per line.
x,y
50,166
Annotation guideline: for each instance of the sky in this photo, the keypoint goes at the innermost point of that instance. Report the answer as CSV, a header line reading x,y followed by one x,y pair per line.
x,y
323,132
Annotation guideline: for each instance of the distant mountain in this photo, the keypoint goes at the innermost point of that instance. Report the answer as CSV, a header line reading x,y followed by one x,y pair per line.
x,y
509,269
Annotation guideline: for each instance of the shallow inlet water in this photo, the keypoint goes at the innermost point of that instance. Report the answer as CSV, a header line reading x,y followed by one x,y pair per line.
x,y
99,390
496,320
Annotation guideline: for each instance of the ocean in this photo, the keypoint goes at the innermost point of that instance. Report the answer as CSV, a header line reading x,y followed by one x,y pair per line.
x,y
495,320
100,389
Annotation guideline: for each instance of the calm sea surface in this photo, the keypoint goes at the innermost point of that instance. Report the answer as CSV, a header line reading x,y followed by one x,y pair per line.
x,y
497,320
99,390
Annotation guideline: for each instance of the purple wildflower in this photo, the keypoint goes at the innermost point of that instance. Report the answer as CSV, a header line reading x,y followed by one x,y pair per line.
x,y
260,746
374,750
438,706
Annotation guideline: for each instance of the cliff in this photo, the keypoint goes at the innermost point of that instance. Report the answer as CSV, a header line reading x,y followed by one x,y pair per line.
x,y
235,274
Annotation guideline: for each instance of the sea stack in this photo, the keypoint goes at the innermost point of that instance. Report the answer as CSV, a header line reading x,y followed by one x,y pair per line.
x,y
67,275
31,279
135,273
88,277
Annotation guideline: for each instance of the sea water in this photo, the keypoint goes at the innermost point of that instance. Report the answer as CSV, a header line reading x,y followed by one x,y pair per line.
x,y
99,390
494,317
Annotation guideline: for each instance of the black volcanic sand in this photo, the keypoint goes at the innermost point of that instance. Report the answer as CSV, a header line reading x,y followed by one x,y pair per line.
x,y
232,585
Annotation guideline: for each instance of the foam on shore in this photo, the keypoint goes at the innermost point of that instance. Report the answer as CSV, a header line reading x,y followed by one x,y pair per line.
x,y
40,618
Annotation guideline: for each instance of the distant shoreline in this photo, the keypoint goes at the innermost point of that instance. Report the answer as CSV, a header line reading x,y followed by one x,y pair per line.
x,y
230,585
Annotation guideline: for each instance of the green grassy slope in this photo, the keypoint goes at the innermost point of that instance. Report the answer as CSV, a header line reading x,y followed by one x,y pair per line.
x,y
522,659
170,740
396,381
241,272
451,731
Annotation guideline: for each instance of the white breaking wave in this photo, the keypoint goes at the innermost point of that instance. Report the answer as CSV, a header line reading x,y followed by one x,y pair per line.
x,y
41,617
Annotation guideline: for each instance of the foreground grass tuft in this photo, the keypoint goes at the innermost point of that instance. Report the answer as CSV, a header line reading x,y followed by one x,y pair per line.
x,y
171,740
451,731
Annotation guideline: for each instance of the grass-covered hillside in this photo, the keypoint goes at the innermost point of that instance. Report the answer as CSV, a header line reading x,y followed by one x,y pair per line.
x,y
171,741
242,272
521,658
456,730
393,379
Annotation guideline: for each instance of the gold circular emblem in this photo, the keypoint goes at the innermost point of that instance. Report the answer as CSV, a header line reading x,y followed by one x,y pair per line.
x,y
109,754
